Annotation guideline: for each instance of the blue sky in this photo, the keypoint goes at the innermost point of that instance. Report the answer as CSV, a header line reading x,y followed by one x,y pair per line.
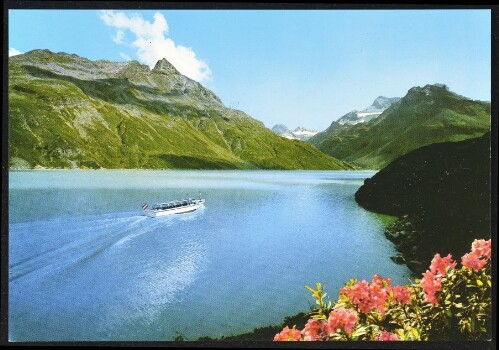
x,y
295,67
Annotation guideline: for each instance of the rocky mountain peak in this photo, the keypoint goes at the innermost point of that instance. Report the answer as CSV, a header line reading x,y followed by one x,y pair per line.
x,y
280,129
164,66
39,51
428,89
300,133
381,103
428,94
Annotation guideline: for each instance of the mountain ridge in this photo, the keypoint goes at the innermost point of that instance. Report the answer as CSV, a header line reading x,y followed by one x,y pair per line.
x,y
425,115
66,111
379,105
299,133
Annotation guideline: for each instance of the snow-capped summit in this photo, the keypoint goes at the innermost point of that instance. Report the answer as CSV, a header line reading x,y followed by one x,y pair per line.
x,y
374,110
300,133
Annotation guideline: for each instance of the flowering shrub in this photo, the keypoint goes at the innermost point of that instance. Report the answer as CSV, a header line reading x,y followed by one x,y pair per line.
x,y
446,303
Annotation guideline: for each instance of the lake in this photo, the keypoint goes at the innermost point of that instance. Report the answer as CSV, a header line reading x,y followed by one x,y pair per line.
x,y
85,264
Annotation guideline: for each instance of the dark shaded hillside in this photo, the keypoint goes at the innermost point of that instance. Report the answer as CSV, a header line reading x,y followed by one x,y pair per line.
x,y
66,111
442,191
424,116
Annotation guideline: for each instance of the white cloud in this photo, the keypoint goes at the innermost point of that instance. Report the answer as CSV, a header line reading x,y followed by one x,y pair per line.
x,y
152,43
118,38
125,56
13,52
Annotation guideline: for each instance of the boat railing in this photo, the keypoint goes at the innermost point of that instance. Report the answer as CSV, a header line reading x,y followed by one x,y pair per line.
x,y
176,204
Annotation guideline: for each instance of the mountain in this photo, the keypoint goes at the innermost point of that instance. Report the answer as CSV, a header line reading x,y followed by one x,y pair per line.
x,y
300,133
442,194
425,115
280,129
369,113
303,134
66,111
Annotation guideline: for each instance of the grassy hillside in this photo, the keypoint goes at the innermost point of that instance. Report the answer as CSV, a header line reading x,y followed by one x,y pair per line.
x,y
424,116
69,112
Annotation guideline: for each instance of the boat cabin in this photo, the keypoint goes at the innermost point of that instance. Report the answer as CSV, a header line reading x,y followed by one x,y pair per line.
x,y
172,205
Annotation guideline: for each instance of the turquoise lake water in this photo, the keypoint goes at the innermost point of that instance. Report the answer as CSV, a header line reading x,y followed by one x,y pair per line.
x,y
85,264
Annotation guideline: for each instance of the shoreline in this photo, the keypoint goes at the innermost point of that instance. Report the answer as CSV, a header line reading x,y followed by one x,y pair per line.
x,y
406,237
189,169
264,333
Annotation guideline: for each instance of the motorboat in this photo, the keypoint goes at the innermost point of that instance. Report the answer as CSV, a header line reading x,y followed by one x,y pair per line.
x,y
175,207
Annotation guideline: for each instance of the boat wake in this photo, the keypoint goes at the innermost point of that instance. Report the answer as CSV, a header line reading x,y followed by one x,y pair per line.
x,y
53,245
113,271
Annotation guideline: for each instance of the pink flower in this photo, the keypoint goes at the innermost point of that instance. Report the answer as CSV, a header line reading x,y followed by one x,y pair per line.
x,y
326,329
479,255
383,282
439,264
343,318
369,296
431,284
359,295
471,261
379,291
386,336
288,334
312,330
402,294
481,247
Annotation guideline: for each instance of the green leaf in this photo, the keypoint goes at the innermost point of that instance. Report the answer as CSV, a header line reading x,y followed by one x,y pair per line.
x,y
359,331
343,297
473,323
310,289
479,283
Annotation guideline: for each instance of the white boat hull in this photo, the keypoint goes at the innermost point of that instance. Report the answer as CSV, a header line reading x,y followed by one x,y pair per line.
x,y
164,212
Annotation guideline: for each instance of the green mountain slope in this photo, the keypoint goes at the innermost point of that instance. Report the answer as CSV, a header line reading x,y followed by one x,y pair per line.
x,y
424,116
443,190
69,112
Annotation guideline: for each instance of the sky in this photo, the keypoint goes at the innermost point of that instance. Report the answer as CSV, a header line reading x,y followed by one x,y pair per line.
x,y
292,67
